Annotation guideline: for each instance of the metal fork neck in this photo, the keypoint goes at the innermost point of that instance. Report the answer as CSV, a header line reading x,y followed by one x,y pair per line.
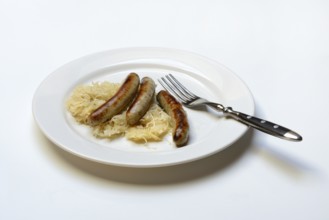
x,y
220,107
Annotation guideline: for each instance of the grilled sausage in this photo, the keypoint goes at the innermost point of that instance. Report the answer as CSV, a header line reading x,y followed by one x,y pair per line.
x,y
117,103
142,101
179,118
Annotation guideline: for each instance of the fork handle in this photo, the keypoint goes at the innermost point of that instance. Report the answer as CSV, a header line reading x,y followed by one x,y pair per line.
x,y
263,125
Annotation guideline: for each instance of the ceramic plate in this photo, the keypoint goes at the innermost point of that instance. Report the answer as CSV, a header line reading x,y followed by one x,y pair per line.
x,y
210,132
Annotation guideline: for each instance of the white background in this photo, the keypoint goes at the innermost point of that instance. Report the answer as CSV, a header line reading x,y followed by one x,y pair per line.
x,y
279,48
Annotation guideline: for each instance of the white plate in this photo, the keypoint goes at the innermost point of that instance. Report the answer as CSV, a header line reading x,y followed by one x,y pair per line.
x,y
209,132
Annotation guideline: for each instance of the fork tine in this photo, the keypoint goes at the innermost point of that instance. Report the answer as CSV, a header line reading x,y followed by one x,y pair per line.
x,y
187,93
176,89
167,85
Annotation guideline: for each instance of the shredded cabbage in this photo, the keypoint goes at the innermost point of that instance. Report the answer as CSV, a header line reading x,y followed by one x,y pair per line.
x,y
86,98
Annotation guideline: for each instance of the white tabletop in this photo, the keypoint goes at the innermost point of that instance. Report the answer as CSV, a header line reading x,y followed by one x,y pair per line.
x,y
280,49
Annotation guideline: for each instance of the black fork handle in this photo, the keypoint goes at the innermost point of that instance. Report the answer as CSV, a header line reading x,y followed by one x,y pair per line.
x,y
261,124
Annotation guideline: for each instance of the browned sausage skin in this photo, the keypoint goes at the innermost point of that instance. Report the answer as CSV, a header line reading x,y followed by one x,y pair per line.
x,y
117,103
142,102
175,110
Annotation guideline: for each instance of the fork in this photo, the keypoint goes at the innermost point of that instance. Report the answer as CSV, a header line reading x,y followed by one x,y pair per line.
x,y
188,99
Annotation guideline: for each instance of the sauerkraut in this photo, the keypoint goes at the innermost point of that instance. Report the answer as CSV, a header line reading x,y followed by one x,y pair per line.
x,y
86,98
